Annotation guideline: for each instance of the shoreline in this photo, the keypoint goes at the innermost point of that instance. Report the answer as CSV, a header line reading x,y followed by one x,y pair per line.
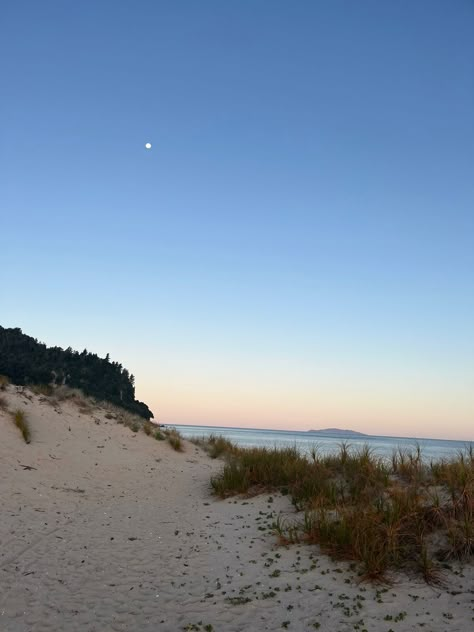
x,y
113,530
360,437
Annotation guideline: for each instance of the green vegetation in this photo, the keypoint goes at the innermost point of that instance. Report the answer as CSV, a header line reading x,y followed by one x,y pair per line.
x,y
25,361
401,514
19,419
4,382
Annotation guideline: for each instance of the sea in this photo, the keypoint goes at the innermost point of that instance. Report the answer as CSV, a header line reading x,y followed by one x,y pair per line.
x,y
305,442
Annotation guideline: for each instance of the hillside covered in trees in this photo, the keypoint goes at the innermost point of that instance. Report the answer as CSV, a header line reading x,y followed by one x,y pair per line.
x,y
24,361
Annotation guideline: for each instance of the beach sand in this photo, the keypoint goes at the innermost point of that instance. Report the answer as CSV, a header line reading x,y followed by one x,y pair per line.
x,y
112,530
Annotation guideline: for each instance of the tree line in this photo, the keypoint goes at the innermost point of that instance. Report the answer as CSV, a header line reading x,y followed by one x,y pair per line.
x,y
25,360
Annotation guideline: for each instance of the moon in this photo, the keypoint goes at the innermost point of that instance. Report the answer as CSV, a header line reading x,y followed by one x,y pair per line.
x,y
147,145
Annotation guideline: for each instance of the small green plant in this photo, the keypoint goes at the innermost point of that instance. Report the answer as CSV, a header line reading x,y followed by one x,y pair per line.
x,y
134,426
4,382
159,436
19,419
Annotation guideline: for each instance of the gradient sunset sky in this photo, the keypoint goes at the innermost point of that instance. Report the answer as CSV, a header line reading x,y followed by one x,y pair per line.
x,y
297,248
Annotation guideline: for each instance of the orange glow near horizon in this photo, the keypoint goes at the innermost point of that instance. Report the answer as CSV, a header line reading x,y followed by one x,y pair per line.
x,y
408,413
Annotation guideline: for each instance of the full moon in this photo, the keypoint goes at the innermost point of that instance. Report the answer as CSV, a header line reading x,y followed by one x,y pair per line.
x,y
148,145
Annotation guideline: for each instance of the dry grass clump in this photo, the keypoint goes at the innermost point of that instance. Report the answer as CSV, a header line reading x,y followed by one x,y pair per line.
x,y
124,417
3,403
86,410
75,395
405,514
174,439
219,446
4,382
19,419
42,389
215,445
147,428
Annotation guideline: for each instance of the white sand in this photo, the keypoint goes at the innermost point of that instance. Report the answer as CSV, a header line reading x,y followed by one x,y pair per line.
x,y
117,532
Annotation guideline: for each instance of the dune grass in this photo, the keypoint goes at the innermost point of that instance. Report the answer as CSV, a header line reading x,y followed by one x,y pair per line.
x,y
399,514
174,439
215,445
20,421
42,389
4,382
3,403
147,428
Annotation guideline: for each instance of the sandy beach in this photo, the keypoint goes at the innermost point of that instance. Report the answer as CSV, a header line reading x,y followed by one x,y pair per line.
x,y
104,529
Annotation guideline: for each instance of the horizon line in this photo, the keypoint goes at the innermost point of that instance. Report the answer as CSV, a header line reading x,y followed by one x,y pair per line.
x,y
467,441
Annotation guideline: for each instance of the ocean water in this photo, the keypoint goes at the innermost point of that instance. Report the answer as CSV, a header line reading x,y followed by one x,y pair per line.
x,y
432,449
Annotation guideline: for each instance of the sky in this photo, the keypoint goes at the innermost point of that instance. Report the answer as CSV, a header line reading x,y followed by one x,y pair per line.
x,y
295,251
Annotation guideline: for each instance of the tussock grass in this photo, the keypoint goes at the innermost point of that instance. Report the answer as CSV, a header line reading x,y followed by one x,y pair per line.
x,y
64,393
3,403
19,419
4,382
42,389
147,428
159,436
219,446
123,417
215,445
86,410
174,439
399,514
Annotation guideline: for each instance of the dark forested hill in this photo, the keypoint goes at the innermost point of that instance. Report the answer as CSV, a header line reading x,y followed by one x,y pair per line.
x,y
26,361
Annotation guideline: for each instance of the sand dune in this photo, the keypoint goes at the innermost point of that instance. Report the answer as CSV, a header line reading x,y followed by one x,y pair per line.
x,y
103,529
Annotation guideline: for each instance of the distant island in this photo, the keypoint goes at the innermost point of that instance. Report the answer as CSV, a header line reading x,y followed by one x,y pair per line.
x,y
339,431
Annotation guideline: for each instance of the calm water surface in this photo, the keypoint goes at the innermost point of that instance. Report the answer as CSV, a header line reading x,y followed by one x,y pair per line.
x,y
384,446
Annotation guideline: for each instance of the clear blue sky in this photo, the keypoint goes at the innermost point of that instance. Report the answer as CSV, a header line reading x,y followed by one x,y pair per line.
x,y
296,250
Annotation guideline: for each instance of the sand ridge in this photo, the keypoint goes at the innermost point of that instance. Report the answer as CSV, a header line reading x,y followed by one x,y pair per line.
x,y
110,530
